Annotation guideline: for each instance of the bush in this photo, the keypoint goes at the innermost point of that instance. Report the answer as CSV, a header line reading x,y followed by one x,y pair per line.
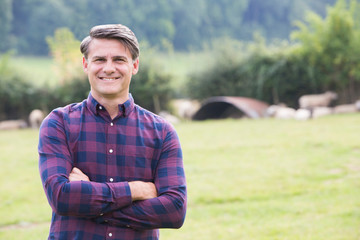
x,y
17,96
151,88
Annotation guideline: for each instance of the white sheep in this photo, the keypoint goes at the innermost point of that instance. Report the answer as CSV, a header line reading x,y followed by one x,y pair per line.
x,y
321,111
302,114
357,104
36,117
185,108
170,118
13,124
345,108
280,112
317,100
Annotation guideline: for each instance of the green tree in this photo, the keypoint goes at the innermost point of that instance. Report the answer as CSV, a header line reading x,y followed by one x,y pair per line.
x,y
5,24
331,47
64,48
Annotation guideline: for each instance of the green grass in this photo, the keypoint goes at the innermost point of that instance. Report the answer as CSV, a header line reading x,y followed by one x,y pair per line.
x,y
247,179
38,70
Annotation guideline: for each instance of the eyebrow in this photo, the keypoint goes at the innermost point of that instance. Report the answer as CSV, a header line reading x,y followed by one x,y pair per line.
x,y
114,57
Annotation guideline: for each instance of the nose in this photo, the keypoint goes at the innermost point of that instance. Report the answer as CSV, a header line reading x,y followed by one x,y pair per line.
x,y
109,67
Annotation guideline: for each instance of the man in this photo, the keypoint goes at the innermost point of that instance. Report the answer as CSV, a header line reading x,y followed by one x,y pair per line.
x,y
111,169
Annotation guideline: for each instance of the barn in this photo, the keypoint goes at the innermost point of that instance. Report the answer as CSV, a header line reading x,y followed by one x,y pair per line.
x,y
231,107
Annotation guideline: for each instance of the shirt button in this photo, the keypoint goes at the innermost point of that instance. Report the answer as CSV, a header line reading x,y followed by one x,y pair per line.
x,y
111,179
127,226
110,234
101,214
100,107
111,151
111,124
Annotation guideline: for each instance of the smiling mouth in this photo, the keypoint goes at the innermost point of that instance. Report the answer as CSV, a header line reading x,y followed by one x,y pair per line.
x,y
108,79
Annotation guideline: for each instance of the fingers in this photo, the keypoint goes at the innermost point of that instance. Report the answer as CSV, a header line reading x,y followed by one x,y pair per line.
x,y
76,171
77,175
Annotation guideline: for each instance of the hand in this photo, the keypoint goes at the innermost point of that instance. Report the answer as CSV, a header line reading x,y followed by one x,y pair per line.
x,y
142,190
77,175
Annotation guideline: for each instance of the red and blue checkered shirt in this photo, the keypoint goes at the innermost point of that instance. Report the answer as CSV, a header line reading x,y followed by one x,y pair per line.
x,y
136,145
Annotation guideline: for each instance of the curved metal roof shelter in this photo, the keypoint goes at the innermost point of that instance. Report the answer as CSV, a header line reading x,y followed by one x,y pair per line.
x,y
230,107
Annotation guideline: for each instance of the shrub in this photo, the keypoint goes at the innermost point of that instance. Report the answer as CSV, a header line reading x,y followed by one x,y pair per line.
x,y
151,87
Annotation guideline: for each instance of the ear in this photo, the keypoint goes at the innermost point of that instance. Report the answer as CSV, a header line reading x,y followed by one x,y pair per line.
x,y
135,66
85,65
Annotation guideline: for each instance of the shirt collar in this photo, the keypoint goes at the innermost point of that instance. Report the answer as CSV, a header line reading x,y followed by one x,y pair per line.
x,y
128,106
124,109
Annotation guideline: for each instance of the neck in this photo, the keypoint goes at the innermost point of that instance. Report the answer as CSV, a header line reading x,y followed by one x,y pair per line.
x,y
111,104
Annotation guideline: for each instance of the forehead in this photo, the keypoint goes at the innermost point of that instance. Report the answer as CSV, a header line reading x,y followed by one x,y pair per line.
x,y
107,47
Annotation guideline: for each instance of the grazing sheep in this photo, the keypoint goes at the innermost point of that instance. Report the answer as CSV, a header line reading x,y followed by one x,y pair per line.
x,y
280,112
13,124
321,111
171,118
345,108
35,118
302,114
357,104
185,108
317,100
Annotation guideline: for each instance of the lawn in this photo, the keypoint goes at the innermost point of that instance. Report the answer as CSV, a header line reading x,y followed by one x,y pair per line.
x,y
247,179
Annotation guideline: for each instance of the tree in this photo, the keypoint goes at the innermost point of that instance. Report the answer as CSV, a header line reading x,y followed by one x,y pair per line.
x,y
331,46
66,53
5,24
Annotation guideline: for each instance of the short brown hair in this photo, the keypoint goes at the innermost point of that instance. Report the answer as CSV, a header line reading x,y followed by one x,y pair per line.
x,y
112,31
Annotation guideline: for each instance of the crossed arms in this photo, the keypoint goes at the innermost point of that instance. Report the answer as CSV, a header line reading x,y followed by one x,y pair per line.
x,y
138,204
139,190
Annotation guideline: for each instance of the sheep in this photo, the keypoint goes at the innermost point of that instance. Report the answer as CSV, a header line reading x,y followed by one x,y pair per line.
x,y
280,112
171,118
317,100
35,118
185,108
302,114
13,124
321,111
345,108
357,104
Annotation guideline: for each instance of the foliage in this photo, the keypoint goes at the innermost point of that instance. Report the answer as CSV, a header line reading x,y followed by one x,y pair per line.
x,y
151,86
264,72
185,24
67,57
331,46
17,96
325,57
5,24
279,180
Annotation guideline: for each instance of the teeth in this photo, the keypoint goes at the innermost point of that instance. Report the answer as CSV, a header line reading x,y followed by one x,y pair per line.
x,y
108,79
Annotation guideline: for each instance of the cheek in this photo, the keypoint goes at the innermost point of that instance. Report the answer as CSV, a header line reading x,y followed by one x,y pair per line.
x,y
94,69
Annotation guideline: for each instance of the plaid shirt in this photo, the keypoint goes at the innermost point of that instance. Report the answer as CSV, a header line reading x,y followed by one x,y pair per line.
x,y
136,145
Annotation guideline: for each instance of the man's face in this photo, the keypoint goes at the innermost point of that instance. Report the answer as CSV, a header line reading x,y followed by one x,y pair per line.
x,y
109,68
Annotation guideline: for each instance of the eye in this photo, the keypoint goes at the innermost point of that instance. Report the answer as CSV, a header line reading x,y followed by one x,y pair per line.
x,y
99,60
120,60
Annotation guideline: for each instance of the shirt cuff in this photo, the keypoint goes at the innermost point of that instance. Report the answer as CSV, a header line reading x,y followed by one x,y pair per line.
x,y
122,194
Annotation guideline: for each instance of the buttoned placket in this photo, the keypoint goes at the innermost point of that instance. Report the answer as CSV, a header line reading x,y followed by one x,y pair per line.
x,y
111,151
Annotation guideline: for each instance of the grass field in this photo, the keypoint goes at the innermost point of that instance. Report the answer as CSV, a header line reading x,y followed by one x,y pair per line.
x,y
247,179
